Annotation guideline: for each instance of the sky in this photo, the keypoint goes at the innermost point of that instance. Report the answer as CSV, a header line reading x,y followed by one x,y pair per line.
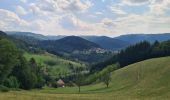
x,y
85,17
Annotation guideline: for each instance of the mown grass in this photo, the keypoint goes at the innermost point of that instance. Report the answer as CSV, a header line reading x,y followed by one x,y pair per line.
x,y
146,80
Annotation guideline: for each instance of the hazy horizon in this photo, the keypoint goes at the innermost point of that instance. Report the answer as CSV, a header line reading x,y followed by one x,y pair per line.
x,y
90,35
85,17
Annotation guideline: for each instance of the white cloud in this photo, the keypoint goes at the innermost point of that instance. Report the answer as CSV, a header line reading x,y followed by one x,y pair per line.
x,y
20,10
142,24
159,7
36,10
60,6
117,10
70,22
11,21
66,17
107,22
74,5
135,2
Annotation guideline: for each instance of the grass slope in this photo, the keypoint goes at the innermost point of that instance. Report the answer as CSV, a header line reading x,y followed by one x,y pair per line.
x,y
57,66
146,80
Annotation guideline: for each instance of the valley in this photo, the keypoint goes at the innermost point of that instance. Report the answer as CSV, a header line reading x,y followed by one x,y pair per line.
x,y
87,70
84,49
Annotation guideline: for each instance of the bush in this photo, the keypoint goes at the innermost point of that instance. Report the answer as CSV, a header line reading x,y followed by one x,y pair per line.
x,y
40,82
50,62
4,88
54,84
70,84
11,82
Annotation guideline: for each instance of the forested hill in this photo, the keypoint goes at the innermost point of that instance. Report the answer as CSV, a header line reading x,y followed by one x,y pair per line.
x,y
115,43
135,53
76,48
34,35
135,38
21,69
107,42
71,47
78,42
69,44
2,34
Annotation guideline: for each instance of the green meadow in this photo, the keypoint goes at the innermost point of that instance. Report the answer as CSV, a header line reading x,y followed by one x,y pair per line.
x,y
146,80
55,65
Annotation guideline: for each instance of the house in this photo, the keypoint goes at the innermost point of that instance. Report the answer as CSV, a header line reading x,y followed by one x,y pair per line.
x,y
60,83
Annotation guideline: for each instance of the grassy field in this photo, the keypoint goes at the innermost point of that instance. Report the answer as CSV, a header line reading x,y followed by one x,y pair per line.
x,y
58,66
146,80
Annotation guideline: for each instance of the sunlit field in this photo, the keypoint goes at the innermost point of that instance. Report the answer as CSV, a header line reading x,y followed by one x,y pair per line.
x,y
135,82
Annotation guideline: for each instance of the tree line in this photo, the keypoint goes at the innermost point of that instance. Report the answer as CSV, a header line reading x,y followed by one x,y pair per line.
x,y
16,71
135,53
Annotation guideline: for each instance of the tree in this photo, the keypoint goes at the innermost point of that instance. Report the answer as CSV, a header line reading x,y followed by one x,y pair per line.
x,y
79,77
8,58
79,81
40,79
106,73
24,74
107,79
134,53
12,82
36,69
33,65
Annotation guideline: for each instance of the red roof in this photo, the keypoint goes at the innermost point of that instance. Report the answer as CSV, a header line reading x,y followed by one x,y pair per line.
x,y
60,82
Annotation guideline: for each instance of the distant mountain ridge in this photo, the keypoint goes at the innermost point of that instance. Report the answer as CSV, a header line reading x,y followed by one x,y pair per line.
x,y
135,38
68,44
109,43
103,41
35,35
77,48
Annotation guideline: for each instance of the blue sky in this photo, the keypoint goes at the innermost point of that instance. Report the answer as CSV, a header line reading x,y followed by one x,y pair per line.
x,y
85,17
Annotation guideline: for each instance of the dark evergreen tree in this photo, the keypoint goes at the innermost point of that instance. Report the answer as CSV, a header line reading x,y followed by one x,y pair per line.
x,y
24,74
8,58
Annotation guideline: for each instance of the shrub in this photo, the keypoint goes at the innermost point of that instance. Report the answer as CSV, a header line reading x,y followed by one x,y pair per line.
x,y
51,62
40,82
4,88
11,82
70,84
54,84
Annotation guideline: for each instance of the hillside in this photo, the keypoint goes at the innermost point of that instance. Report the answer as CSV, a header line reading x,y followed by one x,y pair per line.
x,y
21,35
2,34
69,44
107,42
146,80
75,48
71,47
18,42
55,65
145,77
149,78
30,35
135,38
